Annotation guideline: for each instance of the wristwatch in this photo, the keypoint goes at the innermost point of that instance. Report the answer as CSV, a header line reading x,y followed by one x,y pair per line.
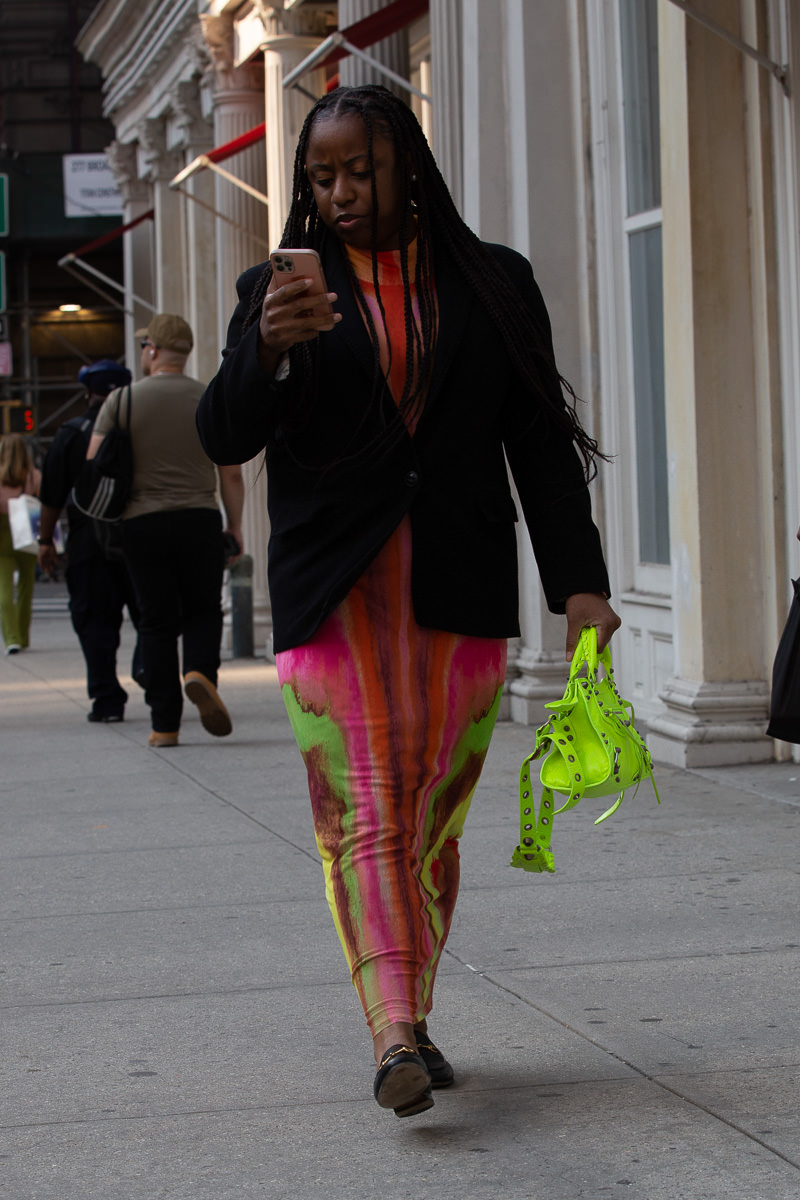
x,y
45,541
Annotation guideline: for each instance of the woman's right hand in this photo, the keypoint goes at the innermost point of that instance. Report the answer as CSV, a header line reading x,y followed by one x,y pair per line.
x,y
286,319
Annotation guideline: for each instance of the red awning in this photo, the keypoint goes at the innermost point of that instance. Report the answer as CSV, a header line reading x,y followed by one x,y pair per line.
x,y
379,25
237,144
70,262
363,33
111,236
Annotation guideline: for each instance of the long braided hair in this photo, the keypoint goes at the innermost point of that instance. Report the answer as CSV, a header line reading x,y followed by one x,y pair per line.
x,y
425,202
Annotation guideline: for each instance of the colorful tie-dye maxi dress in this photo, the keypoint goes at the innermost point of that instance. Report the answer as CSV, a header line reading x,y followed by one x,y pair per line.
x,y
393,721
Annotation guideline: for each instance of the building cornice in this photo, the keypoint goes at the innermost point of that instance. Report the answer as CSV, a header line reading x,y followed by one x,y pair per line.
x,y
131,42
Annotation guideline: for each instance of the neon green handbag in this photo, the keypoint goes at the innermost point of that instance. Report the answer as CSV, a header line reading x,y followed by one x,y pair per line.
x,y
590,748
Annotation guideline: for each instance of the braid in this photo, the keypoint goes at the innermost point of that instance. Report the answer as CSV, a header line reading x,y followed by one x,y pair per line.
x,y
438,222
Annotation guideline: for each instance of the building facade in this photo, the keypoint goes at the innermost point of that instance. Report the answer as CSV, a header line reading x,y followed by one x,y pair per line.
x,y
51,323
643,154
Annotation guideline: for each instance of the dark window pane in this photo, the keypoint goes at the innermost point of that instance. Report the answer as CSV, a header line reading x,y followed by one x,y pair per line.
x,y
639,43
647,329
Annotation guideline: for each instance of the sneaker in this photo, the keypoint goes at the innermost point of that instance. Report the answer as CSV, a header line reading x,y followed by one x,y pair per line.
x,y
13,648
109,718
213,713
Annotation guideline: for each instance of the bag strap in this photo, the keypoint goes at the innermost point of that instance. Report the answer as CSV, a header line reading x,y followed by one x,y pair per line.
x,y
533,852
116,410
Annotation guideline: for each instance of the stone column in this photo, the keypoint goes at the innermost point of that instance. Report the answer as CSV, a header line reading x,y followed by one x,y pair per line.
x,y
194,134
547,226
509,198
484,113
238,105
448,76
286,43
137,244
393,51
237,97
715,705
158,165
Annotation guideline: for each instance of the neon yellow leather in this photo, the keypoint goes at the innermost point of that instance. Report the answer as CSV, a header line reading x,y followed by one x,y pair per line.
x,y
590,748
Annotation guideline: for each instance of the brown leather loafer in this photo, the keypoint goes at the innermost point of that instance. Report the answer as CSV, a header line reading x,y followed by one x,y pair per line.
x,y
213,713
159,740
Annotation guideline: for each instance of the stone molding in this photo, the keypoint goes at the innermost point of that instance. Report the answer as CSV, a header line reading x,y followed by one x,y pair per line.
x,y
122,158
218,37
187,125
132,42
711,723
310,20
156,161
221,75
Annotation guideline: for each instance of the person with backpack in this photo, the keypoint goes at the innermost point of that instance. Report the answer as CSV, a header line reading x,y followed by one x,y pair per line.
x,y
172,531
99,585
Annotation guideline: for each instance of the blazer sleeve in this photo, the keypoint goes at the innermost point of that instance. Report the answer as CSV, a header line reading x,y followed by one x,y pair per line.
x,y
242,405
549,477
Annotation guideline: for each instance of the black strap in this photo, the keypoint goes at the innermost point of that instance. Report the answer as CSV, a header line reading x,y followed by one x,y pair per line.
x,y
116,410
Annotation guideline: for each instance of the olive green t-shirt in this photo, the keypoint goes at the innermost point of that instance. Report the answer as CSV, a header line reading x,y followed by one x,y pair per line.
x,y
170,468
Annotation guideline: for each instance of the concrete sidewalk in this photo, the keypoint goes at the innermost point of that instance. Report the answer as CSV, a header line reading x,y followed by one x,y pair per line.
x,y
178,1023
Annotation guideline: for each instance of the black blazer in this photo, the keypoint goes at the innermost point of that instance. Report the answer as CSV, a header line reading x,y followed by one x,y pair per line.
x,y
328,523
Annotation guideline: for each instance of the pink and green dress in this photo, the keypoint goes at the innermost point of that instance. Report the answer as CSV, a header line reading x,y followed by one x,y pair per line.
x,y
393,722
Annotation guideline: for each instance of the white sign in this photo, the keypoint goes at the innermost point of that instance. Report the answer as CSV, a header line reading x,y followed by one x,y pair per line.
x,y
90,189
6,361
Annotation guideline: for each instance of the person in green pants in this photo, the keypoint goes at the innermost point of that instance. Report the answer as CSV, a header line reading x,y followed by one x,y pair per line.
x,y
17,476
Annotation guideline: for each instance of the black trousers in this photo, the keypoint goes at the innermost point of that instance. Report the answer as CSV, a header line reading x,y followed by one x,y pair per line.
x,y
176,560
99,591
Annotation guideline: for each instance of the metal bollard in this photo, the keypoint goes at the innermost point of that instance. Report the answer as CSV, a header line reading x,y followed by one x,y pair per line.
x,y
242,606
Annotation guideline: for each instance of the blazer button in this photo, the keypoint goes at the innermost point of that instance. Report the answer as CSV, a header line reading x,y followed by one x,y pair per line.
x,y
411,479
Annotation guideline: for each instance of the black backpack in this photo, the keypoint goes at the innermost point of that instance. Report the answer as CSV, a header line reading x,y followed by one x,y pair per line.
x,y
101,490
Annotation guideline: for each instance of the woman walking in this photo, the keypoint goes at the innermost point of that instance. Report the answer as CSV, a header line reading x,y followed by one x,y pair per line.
x,y
387,410
17,476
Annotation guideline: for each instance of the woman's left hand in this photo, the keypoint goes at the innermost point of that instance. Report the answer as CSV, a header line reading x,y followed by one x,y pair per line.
x,y
589,608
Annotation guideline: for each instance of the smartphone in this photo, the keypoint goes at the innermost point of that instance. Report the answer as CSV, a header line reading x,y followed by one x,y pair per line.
x,y
288,265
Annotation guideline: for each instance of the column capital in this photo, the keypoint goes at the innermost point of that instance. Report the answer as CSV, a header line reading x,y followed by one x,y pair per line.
x,y
292,46
122,160
156,162
218,38
222,73
189,127
307,21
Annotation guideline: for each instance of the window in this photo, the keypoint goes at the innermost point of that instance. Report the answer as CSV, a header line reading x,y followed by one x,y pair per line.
x,y
642,228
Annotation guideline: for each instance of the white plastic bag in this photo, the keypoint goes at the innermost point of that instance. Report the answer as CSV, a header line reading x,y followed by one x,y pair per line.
x,y
24,517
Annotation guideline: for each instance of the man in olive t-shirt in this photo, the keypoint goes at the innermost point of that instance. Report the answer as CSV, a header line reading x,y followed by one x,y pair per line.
x,y
172,531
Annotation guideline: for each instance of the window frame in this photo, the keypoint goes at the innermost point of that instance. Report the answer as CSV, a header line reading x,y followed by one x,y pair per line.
x,y
633,576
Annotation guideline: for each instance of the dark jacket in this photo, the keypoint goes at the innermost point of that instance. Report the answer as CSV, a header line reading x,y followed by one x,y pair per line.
x,y
328,523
